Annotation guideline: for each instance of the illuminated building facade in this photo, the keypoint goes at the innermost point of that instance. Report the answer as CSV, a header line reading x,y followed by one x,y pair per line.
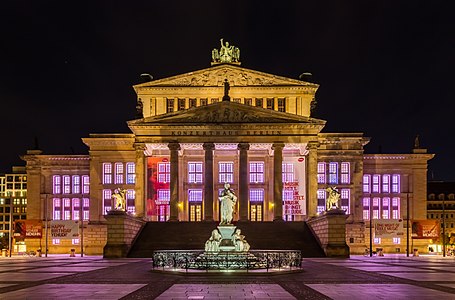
x,y
13,201
226,123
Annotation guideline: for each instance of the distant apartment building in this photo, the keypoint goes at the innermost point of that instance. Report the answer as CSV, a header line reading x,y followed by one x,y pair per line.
x,y
13,200
441,205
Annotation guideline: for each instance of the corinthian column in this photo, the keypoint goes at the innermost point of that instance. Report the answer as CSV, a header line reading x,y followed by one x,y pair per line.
x,y
208,181
312,201
243,181
174,185
278,181
140,180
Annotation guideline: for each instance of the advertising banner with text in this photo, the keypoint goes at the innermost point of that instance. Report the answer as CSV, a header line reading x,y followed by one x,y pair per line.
x,y
388,228
65,230
425,229
296,205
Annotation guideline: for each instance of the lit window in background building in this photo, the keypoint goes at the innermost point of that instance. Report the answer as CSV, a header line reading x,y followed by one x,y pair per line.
x,y
130,173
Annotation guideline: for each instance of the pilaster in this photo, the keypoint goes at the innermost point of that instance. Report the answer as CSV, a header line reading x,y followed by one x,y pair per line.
x,y
243,181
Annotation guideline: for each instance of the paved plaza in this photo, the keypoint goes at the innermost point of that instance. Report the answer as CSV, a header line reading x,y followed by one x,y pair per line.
x,y
92,277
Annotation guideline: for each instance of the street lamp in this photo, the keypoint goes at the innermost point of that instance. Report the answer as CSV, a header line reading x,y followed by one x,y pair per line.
x,y
443,227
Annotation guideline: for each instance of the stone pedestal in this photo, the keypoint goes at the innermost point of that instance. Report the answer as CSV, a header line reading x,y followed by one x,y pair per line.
x,y
121,232
226,232
330,230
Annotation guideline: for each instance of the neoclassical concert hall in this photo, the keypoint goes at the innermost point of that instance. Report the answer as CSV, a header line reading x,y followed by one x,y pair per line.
x,y
198,130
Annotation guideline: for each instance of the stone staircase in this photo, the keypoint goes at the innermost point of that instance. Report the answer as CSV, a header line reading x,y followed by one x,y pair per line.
x,y
193,235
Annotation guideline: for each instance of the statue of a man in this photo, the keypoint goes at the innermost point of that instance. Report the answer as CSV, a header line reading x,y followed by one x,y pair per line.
x,y
228,200
213,243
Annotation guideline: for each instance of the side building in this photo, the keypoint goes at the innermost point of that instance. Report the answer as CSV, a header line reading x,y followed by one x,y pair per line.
x,y
225,124
13,205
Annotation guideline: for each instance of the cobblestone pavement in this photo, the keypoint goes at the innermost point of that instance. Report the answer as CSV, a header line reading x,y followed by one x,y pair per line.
x,y
388,277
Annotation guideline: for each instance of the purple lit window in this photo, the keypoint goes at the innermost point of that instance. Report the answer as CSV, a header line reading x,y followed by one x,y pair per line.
x,y
345,199
321,193
333,172
257,172
395,183
76,184
85,184
195,172
195,195
395,208
118,173
107,173
367,183
256,195
376,183
107,201
287,172
226,172
66,209
86,208
376,208
366,208
385,208
130,173
57,184
76,208
130,199
66,184
164,195
57,209
321,172
164,172
386,183
345,173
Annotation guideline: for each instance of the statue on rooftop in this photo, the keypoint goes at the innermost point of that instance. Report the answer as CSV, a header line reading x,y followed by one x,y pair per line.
x,y
226,54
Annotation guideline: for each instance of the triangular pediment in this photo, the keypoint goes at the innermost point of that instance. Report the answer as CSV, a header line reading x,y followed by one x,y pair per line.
x,y
226,112
215,76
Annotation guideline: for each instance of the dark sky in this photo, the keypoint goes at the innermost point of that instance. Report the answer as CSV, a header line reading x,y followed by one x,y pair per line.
x,y
385,68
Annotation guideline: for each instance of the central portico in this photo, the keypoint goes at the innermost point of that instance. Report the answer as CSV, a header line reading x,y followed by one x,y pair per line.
x,y
245,146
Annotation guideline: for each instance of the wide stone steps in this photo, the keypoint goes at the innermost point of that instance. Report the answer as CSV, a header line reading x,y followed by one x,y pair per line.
x,y
193,235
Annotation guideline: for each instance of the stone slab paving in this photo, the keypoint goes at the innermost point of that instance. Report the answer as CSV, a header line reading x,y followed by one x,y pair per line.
x,y
378,291
225,291
396,277
70,291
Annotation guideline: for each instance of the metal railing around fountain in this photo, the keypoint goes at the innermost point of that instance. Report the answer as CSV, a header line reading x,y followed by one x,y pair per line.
x,y
268,260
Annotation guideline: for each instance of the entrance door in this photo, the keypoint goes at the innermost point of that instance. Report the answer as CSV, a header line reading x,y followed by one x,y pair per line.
x,y
256,212
163,212
195,212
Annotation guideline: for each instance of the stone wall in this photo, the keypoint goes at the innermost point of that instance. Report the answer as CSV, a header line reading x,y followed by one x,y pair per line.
x,y
122,229
355,237
330,230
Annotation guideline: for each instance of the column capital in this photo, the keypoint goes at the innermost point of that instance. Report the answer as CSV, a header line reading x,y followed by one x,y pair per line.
x,y
312,145
243,146
173,146
208,146
277,145
140,146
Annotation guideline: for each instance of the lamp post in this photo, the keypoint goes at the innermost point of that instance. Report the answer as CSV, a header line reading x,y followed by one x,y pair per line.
x,y
46,199
10,235
371,227
443,228
81,218
407,223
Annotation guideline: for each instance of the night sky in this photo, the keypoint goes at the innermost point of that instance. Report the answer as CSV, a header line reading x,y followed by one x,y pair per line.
x,y
385,68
